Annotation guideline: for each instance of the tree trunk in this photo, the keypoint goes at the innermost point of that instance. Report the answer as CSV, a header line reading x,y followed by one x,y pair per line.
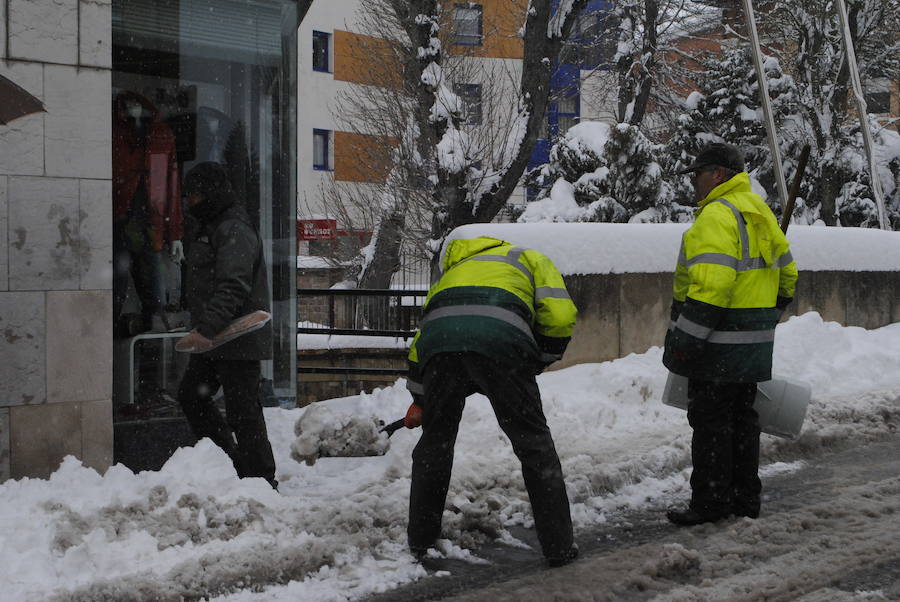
x,y
380,270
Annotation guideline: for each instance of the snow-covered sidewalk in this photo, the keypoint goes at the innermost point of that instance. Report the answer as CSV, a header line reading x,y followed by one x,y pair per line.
x,y
337,529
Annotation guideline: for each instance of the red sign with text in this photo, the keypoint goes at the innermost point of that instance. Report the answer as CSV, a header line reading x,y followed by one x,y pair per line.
x,y
316,229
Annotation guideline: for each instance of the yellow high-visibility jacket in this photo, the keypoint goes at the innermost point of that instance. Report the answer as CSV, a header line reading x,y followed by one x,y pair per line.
x,y
494,298
734,265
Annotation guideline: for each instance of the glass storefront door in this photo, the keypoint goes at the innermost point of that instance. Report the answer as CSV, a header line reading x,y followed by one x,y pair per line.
x,y
196,81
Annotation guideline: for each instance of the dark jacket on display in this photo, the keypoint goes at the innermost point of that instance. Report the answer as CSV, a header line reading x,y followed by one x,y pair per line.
x,y
226,277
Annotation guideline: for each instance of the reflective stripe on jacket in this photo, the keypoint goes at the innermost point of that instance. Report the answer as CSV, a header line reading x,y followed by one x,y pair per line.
x,y
493,298
733,264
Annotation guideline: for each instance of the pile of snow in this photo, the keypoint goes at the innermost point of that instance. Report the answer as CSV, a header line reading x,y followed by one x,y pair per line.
x,y
323,433
337,529
603,248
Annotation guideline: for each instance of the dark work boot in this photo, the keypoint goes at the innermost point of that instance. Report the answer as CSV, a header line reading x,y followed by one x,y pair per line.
x,y
419,553
690,517
745,511
564,558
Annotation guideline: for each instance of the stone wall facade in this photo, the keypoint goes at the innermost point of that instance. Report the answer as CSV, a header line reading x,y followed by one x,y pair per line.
x,y
56,238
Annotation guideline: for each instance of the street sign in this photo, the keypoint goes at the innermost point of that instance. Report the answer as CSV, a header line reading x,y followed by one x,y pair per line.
x,y
316,229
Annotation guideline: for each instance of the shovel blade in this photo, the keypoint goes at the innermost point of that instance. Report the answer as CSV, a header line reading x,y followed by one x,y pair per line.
x,y
343,437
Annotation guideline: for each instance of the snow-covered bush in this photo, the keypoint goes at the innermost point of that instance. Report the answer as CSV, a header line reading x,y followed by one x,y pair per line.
x,y
602,173
726,108
812,105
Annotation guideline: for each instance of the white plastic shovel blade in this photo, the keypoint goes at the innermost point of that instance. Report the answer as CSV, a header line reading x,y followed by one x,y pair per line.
x,y
781,403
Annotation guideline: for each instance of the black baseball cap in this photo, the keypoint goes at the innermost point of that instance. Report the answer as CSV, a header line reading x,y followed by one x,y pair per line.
x,y
717,154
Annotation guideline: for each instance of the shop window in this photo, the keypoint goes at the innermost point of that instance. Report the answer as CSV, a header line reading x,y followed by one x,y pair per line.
x,y
321,149
194,81
321,51
471,97
467,24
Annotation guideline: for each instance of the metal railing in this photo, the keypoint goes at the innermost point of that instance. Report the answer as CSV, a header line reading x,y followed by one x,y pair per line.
x,y
359,312
364,312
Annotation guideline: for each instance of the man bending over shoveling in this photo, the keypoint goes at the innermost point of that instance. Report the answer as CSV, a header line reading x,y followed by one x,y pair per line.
x,y
497,317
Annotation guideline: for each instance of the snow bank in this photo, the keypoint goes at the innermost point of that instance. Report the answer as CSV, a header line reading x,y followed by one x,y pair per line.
x,y
601,248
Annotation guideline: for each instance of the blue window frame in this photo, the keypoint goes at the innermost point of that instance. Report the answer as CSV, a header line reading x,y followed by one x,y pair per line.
x,y
321,149
471,97
321,51
467,24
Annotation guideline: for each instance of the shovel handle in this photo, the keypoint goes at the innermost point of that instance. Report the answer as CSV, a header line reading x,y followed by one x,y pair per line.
x,y
390,428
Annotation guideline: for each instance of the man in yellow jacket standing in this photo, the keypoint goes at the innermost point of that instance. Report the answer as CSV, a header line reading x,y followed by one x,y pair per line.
x,y
735,275
498,315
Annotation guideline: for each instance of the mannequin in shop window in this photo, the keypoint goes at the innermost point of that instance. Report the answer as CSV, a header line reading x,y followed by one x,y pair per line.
x,y
147,216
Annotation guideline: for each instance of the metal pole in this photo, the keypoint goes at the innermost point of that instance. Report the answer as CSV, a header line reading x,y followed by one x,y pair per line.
x,y
764,100
862,109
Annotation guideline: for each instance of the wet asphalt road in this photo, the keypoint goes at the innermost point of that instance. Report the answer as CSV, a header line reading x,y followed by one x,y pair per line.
x,y
822,478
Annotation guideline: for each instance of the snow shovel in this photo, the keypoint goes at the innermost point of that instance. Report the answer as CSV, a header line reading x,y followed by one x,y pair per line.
x,y
239,327
324,433
780,403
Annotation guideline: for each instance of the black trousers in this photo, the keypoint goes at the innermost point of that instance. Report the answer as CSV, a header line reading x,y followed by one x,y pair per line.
x,y
243,436
724,448
448,379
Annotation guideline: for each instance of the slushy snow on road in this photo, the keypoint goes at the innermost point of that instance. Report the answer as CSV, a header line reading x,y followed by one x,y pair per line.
x,y
337,529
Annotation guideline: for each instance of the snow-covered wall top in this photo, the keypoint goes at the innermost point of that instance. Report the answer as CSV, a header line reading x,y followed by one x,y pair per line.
x,y
594,248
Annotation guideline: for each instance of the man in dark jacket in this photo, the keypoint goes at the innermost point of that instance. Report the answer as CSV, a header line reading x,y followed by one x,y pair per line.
x,y
498,315
226,279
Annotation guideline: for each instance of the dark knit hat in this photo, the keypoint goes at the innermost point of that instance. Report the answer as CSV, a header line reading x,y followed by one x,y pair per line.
x,y
718,154
209,179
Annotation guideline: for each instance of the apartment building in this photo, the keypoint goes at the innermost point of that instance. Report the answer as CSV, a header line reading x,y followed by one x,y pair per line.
x,y
340,52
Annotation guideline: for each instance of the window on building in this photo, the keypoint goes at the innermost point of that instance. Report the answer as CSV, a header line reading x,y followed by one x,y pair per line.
x,y
878,102
467,24
596,45
471,97
567,113
321,149
321,51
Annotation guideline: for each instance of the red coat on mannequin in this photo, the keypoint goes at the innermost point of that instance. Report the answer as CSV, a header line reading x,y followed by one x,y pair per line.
x,y
143,146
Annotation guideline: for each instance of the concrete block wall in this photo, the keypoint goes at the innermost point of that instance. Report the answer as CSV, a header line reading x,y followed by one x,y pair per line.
x,y
629,313
56,238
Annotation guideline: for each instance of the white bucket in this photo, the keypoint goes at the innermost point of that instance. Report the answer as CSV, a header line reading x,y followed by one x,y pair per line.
x,y
780,403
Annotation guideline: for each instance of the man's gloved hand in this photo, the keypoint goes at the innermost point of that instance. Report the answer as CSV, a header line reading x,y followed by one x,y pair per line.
x,y
176,251
413,416
194,342
782,302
